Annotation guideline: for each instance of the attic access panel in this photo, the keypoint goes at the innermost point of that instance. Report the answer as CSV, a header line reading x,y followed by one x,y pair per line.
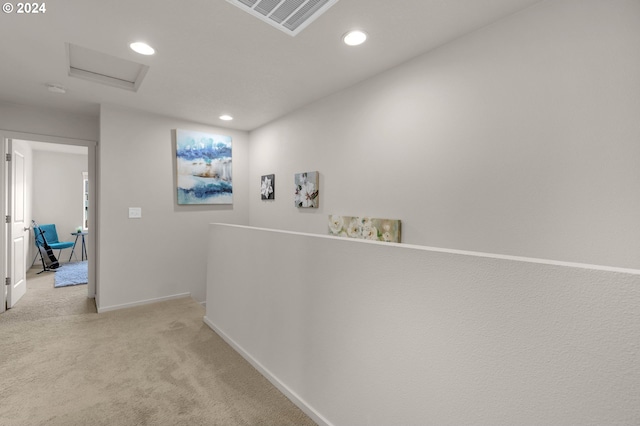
x,y
105,69
289,16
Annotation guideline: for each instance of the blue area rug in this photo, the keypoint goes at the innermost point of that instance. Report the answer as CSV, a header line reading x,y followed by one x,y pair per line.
x,y
72,274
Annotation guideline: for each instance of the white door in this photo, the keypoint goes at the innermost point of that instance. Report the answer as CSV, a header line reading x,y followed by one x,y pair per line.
x,y
18,240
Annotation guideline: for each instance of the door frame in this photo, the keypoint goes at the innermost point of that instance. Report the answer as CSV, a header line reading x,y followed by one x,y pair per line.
x,y
92,166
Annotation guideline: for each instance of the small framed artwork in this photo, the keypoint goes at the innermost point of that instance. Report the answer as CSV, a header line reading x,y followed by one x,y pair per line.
x,y
365,228
268,187
306,190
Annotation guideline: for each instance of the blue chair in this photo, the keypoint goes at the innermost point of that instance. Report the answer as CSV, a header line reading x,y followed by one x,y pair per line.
x,y
51,236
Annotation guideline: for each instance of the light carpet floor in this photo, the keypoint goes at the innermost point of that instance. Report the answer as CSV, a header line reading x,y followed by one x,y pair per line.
x,y
63,364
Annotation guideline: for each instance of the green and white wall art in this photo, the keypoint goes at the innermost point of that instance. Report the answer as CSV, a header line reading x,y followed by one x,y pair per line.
x,y
365,228
306,190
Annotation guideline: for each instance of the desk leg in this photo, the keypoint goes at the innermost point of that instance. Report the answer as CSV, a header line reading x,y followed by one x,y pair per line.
x,y
84,250
74,247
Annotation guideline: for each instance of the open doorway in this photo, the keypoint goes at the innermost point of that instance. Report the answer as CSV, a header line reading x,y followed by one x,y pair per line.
x,y
59,189
59,202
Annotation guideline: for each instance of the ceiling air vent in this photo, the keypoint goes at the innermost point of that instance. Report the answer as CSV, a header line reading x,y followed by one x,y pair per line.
x,y
290,16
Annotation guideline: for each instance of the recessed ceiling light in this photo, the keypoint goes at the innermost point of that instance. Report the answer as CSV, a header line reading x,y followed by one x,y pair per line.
x,y
354,38
142,48
226,117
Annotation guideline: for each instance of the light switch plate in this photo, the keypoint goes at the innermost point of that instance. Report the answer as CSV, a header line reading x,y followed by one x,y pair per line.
x,y
135,212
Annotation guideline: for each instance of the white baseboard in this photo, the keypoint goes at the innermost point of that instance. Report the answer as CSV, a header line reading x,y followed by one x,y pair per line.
x,y
293,397
142,302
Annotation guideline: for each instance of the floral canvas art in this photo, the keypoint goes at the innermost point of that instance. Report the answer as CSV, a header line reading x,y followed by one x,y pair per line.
x,y
306,189
366,228
203,168
268,187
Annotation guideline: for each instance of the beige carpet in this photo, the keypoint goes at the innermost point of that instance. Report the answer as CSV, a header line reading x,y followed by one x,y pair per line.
x,y
63,364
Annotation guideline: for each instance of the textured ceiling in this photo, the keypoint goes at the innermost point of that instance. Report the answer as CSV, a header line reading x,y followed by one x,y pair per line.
x,y
213,58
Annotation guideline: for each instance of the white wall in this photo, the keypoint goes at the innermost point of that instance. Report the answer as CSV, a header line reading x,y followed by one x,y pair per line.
x,y
57,193
521,138
47,121
366,333
164,253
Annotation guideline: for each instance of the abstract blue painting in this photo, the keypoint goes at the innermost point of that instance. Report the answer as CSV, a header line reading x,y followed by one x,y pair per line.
x,y
203,168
